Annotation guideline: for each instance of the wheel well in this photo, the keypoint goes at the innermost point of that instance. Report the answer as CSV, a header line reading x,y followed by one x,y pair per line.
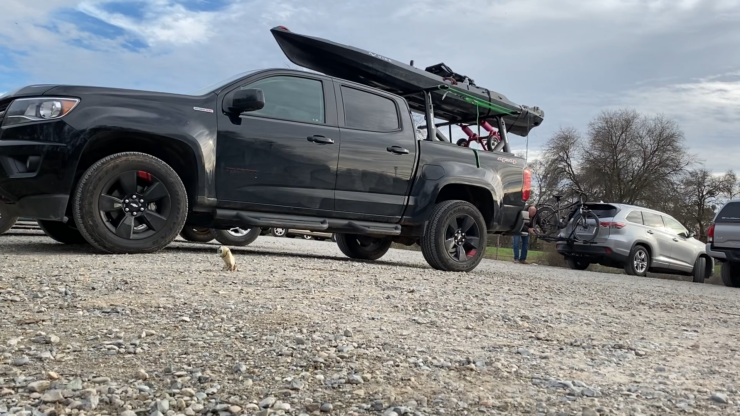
x,y
480,197
646,247
178,155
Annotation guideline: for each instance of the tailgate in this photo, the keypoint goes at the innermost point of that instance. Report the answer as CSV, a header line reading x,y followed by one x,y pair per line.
x,y
727,227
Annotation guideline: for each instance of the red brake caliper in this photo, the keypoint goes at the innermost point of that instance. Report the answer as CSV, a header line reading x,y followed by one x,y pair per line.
x,y
145,176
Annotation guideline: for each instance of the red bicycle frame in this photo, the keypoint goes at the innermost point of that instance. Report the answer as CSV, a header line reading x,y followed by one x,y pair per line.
x,y
474,138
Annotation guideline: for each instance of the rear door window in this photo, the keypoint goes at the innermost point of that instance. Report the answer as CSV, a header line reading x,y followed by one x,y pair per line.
x,y
635,217
730,213
365,111
652,220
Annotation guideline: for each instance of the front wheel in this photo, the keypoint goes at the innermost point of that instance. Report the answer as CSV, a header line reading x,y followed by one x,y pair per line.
x,y
362,247
279,232
455,238
546,222
700,270
198,234
130,203
731,274
638,262
576,264
238,236
63,233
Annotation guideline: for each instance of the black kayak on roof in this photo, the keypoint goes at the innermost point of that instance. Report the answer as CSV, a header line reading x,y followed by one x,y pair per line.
x,y
456,98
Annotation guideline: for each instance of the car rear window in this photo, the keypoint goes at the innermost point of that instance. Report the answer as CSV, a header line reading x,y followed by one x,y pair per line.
x,y
730,213
635,217
603,210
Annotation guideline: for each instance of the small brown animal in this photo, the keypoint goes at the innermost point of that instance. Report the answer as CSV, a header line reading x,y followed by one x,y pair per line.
x,y
229,262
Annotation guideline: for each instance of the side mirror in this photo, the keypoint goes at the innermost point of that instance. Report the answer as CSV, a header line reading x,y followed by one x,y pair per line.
x,y
242,101
692,234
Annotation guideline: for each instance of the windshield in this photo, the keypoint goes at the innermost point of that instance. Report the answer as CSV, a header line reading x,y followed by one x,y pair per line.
x,y
217,85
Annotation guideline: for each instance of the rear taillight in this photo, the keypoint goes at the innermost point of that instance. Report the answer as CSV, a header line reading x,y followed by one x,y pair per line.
x,y
617,225
527,187
710,234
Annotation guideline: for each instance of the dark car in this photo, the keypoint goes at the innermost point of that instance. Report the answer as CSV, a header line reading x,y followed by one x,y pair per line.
x,y
126,170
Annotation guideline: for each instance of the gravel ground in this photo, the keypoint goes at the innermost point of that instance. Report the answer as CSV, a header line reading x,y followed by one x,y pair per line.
x,y
301,330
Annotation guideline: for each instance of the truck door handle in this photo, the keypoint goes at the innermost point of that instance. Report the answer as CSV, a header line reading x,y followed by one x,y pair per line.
x,y
650,231
398,150
320,140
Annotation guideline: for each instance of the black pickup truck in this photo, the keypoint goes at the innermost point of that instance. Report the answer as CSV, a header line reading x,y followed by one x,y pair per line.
x,y
125,170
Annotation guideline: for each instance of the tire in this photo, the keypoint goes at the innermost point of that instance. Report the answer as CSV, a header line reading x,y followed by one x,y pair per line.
x,y
198,234
361,247
307,237
117,183
641,255
6,221
238,236
576,264
581,219
334,238
731,274
700,270
279,232
62,233
546,222
454,226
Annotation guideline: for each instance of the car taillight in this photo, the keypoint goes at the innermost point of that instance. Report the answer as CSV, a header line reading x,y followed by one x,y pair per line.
x,y
617,225
527,187
710,234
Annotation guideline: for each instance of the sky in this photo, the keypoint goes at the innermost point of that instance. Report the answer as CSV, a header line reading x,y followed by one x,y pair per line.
x,y
572,58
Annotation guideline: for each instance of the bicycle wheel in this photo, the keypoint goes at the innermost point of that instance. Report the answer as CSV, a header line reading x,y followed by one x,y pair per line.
x,y
546,222
585,226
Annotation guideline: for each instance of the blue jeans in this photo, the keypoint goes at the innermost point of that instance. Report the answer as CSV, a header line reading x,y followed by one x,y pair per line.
x,y
524,241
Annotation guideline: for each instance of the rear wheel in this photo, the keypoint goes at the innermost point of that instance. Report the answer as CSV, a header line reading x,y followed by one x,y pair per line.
x,y
731,274
585,226
61,232
238,236
638,262
198,234
576,264
700,270
130,203
455,238
6,221
307,237
363,247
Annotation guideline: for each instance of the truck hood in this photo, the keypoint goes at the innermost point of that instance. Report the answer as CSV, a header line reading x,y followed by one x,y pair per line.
x,y
28,91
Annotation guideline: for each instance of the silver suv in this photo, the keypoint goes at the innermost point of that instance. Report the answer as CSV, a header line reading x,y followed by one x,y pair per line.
x,y
723,241
639,240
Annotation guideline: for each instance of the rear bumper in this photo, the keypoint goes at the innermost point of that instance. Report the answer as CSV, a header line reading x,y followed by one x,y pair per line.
x,y
722,254
591,253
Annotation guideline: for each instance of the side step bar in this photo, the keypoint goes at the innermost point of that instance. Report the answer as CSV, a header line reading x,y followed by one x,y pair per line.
x,y
262,219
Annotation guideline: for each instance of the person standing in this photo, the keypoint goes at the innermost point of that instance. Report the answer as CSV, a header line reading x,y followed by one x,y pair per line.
x,y
521,241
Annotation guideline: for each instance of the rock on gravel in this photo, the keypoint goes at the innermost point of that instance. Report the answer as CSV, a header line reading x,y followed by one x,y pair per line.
x,y
301,330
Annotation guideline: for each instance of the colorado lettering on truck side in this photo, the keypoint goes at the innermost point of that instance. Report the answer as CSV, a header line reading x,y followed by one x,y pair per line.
x,y
126,170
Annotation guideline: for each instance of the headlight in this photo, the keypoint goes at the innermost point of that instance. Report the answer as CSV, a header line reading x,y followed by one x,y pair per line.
x,y
29,110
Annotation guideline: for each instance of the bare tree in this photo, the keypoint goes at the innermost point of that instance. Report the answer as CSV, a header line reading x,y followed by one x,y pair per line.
x,y
626,157
700,194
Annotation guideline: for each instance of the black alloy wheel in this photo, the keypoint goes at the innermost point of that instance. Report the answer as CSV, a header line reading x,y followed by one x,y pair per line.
x,y
130,203
135,205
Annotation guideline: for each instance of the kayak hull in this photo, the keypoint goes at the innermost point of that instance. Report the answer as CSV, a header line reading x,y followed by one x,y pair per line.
x,y
455,101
